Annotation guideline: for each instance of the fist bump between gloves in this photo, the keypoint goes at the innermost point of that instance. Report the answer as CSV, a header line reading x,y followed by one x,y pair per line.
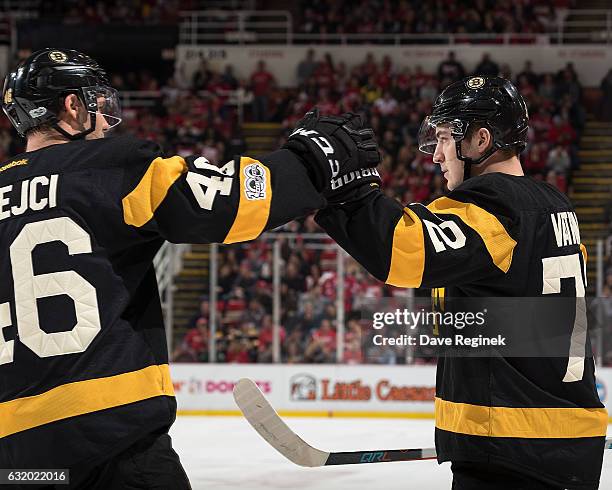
x,y
340,153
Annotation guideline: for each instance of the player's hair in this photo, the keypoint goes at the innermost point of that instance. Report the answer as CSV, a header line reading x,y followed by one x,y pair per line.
x,y
507,153
57,106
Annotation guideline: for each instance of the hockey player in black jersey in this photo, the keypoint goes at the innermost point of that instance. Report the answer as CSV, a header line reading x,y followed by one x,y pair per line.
x,y
504,422
84,378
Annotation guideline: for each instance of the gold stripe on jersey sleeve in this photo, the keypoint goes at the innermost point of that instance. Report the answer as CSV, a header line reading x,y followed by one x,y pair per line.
x,y
408,252
253,213
534,423
140,204
499,243
82,397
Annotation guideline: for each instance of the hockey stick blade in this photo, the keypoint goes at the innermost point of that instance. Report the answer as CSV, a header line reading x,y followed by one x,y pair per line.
x,y
264,419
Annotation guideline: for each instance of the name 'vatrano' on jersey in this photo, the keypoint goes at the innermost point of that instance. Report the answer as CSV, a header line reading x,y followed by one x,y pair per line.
x,y
565,228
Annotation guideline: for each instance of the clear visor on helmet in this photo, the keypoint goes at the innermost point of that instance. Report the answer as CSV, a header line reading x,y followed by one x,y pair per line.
x,y
433,132
108,105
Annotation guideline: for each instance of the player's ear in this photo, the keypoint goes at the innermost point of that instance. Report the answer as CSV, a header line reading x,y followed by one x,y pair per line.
x,y
483,140
74,112
71,106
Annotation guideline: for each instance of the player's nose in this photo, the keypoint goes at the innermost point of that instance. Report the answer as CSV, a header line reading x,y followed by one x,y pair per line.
x,y
105,125
438,156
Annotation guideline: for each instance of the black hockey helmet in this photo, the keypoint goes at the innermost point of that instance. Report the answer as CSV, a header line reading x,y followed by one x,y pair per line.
x,y
490,102
34,91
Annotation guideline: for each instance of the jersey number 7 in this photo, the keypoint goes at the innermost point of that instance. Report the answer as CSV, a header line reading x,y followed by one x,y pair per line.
x,y
555,269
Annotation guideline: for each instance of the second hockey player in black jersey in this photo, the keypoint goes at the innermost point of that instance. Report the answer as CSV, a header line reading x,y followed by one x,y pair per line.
x,y
503,422
84,378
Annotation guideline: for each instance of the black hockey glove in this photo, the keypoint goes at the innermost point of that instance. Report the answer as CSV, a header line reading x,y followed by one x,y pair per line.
x,y
332,146
352,186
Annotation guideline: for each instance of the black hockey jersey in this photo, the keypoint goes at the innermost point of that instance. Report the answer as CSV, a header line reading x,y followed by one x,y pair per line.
x,y
496,235
83,356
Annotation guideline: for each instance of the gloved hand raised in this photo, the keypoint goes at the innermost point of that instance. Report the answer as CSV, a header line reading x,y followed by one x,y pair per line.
x,y
333,146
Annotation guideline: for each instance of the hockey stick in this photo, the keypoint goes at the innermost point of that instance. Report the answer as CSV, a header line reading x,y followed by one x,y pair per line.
x,y
264,419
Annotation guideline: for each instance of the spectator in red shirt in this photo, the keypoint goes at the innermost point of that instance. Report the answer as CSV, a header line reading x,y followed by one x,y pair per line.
x,y
353,353
352,92
541,122
527,90
262,82
561,132
419,78
322,346
326,105
219,88
559,181
324,73
238,351
325,334
266,336
297,113
383,79
420,190
195,344
535,160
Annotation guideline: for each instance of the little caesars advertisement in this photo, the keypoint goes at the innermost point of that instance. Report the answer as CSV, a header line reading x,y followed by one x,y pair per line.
x,y
307,389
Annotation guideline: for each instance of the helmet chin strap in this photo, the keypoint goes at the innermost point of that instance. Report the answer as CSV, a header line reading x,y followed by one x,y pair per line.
x,y
88,97
468,162
76,136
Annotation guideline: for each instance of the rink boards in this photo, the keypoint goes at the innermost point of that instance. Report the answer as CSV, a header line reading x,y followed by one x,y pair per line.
x,y
322,390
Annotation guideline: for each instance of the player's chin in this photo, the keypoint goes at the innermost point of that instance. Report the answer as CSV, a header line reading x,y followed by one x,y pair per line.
x,y
95,135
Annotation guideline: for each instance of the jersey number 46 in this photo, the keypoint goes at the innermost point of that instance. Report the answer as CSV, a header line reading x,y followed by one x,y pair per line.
x,y
29,288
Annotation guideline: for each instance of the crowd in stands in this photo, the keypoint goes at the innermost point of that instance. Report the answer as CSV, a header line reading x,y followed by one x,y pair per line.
x,y
395,102
413,17
603,304
151,12
342,16
113,11
308,298
186,120
607,269
194,116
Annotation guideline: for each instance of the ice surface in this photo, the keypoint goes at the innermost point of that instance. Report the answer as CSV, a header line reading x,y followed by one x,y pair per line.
x,y
222,453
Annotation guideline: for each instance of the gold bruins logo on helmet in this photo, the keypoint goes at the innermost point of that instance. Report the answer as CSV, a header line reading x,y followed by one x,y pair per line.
x,y
475,82
8,96
58,56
